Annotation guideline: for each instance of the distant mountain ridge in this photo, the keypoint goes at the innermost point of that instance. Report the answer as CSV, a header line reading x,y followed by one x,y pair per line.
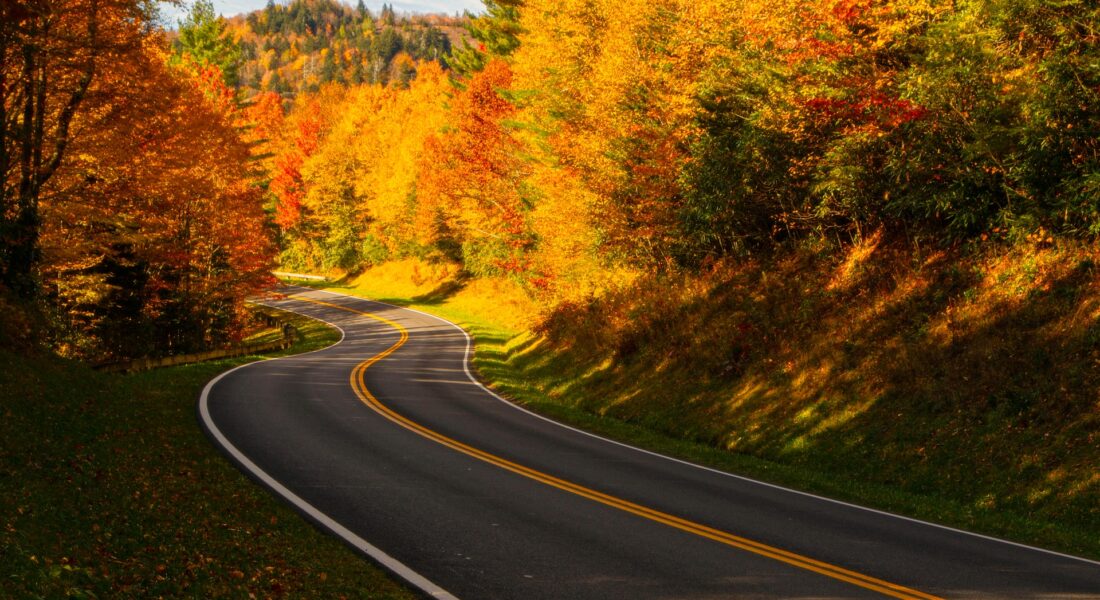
x,y
295,48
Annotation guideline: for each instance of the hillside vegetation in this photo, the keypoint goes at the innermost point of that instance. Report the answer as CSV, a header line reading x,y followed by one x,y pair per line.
x,y
589,141
957,385
297,47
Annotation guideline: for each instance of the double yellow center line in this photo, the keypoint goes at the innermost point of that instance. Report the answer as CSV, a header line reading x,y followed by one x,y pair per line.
x,y
358,383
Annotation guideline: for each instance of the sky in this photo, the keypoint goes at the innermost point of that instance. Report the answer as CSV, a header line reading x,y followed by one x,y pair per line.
x,y
228,8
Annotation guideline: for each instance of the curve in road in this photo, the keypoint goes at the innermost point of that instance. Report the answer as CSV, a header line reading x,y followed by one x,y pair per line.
x,y
441,410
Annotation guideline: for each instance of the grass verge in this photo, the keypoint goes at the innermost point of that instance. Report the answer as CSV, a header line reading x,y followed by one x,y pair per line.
x,y
108,488
875,389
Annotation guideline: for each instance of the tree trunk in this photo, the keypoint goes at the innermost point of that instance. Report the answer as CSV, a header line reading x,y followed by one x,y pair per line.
x,y
29,30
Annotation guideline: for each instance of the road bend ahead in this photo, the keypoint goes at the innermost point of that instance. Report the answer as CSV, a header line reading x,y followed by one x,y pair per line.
x,y
385,440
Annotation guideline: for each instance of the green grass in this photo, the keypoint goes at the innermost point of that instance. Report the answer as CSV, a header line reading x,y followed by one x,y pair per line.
x,y
911,448
313,334
109,489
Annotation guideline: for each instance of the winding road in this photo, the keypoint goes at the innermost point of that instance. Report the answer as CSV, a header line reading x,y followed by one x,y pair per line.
x,y
388,442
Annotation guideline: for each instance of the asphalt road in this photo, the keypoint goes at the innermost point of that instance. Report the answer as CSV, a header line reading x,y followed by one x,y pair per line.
x,y
386,441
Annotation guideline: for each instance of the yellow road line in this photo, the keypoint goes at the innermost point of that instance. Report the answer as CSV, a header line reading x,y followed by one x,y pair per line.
x,y
803,562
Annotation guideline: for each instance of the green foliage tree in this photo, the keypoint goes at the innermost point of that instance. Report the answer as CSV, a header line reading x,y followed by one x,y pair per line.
x,y
739,186
1061,143
497,33
947,120
203,37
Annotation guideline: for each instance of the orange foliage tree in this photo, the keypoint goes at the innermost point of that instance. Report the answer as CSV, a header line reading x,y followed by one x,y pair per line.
x,y
610,137
473,175
127,207
51,54
153,230
286,182
305,129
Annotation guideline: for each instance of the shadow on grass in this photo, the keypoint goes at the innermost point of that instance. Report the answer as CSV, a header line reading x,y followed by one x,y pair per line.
x,y
442,292
958,404
909,378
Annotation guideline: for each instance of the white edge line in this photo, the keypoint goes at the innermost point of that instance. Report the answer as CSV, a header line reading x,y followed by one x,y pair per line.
x,y
388,562
466,368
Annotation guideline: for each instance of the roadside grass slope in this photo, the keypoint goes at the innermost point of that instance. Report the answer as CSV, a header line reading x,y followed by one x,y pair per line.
x,y
960,386
109,489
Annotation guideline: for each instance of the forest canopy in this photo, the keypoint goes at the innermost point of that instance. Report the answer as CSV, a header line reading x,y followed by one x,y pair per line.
x,y
151,179
130,212
580,138
300,46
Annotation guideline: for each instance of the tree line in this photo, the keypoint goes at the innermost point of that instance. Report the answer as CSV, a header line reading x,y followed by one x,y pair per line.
x,y
130,214
566,145
577,139
295,48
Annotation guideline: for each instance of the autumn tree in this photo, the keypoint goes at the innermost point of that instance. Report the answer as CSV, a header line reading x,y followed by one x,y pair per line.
x,y
264,117
612,85
335,215
305,130
345,178
286,181
127,209
389,149
474,175
153,232
51,52
588,137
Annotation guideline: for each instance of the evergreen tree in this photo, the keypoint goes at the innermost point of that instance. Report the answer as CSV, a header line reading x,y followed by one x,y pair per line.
x,y
362,46
387,44
253,20
277,84
330,71
496,32
203,37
